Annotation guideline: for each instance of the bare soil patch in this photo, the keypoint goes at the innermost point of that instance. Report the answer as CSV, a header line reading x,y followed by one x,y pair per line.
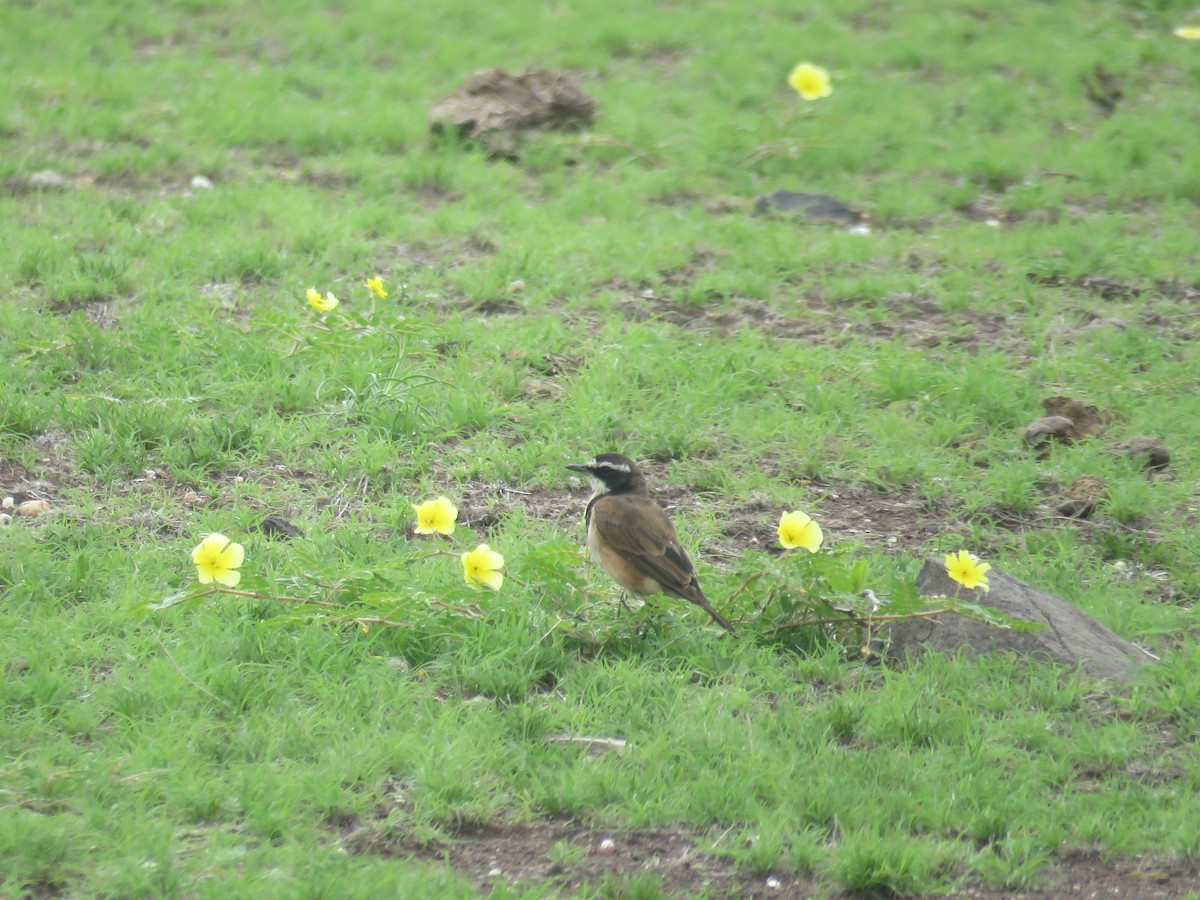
x,y
571,856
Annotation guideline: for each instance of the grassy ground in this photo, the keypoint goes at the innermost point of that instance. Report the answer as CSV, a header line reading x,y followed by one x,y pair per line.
x,y
1032,192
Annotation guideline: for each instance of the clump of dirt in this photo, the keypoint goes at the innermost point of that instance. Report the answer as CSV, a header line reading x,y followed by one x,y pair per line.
x,y
1066,420
496,107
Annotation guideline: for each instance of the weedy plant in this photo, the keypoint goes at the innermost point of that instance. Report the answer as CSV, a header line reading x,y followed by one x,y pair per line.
x,y
804,604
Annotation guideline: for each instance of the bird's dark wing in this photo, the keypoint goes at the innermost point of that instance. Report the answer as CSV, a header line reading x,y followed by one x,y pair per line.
x,y
638,529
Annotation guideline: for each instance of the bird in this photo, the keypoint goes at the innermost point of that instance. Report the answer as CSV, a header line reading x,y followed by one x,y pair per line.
x,y
632,537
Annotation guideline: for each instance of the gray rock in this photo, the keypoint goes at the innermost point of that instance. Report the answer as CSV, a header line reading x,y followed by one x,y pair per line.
x,y
821,207
1070,636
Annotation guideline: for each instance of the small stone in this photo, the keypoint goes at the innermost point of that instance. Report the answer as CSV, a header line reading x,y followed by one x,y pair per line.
x,y
8,503
1040,432
1102,322
238,479
5,519
819,207
517,286
33,508
495,872
201,183
606,847
278,528
47,178
859,229
773,883
992,223
1075,509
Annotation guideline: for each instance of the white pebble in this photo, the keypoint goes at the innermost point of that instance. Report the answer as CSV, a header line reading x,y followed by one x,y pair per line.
x,y
47,178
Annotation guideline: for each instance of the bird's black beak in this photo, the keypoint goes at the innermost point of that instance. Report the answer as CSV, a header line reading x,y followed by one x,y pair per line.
x,y
578,468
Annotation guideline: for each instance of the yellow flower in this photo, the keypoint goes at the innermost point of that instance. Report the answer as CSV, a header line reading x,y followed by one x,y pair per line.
x,y
797,529
810,82
1188,32
217,558
319,303
967,570
482,566
436,515
375,286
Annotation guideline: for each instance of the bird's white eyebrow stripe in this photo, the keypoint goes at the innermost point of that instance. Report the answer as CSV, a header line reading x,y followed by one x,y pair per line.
x,y
616,467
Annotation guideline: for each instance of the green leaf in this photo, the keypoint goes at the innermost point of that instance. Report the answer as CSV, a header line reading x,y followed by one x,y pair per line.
x,y
176,599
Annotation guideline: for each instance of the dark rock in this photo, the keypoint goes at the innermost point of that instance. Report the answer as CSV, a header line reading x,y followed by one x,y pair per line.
x,y
820,207
1070,636
280,529
1071,508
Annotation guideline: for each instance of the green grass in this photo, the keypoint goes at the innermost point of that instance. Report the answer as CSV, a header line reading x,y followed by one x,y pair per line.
x,y
165,378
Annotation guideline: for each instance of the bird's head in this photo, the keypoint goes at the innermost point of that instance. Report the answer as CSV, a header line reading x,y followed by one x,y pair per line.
x,y
612,473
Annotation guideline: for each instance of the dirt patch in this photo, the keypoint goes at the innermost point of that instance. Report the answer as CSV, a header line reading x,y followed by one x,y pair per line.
x,y
915,320
453,254
922,322
571,856
1136,880
724,316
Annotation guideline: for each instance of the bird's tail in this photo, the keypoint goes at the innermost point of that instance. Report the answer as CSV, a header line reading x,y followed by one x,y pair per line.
x,y
701,601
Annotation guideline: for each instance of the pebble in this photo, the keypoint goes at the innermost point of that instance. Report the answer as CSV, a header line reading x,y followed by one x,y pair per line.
x,y
200,182
33,508
47,178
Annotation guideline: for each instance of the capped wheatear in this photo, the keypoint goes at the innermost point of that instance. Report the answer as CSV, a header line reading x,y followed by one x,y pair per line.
x,y
632,537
